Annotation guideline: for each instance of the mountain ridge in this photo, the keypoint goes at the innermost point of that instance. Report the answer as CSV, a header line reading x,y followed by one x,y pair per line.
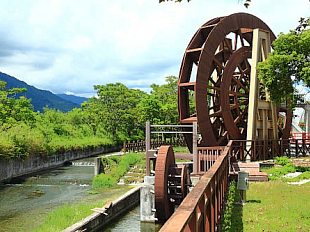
x,y
73,98
39,98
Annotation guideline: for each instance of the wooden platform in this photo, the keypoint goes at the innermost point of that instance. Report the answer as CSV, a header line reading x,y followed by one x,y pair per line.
x,y
251,168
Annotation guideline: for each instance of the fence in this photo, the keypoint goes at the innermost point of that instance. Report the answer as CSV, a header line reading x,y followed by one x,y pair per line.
x,y
201,209
207,157
268,149
137,146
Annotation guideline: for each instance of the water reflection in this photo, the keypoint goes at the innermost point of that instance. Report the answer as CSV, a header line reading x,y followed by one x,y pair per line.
x,y
130,222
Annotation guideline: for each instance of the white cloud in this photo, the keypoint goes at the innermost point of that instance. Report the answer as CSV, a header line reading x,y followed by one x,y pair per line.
x,y
69,46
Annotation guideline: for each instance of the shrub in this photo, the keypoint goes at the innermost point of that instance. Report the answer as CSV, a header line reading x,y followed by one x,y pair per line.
x,y
290,168
104,181
282,160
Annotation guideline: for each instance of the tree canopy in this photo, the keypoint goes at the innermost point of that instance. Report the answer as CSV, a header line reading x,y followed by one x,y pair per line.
x,y
13,109
287,65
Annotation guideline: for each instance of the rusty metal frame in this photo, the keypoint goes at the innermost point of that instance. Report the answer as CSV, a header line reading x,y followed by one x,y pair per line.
x,y
151,154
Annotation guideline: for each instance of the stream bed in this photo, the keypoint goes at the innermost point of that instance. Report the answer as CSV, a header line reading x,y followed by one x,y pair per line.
x,y
26,201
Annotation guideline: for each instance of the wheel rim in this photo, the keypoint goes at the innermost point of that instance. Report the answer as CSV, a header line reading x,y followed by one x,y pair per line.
x,y
164,160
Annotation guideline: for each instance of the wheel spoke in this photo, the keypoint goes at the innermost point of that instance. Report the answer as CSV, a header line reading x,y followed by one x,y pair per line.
x,y
240,84
223,137
214,88
218,63
216,114
237,94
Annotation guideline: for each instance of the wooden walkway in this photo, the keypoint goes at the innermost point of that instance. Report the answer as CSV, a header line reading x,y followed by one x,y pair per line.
x,y
251,168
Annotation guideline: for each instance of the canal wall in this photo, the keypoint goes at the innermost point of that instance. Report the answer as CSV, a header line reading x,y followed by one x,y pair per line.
x,y
18,167
112,210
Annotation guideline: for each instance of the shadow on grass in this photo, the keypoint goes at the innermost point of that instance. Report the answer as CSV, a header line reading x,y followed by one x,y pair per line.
x,y
254,201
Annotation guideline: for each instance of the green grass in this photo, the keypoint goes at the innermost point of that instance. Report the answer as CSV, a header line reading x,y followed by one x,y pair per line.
x,y
277,206
181,150
271,206
67,215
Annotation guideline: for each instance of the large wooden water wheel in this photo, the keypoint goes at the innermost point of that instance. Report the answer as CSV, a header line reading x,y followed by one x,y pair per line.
x,y
216,71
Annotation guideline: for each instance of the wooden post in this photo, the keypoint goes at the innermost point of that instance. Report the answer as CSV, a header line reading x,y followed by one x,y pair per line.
x,y
195,154
148,147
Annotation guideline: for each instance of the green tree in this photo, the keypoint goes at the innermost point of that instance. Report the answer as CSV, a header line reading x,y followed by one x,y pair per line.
x,y
167,95
149,109
287,65
13,109
114,109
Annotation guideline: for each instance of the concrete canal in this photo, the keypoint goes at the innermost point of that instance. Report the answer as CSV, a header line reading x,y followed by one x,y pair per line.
x,y
130,222
26,201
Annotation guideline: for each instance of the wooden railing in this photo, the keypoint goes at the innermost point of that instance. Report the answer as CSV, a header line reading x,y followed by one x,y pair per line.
x,y
155,143
268,149
201,209
207,157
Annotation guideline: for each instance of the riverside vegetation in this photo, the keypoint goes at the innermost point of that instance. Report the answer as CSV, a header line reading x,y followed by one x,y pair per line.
x,y
117,114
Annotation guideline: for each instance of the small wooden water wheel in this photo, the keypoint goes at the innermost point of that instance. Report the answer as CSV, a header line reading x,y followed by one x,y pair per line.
x,y
170,183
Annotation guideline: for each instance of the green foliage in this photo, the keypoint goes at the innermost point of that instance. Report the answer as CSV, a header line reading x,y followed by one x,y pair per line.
x,y
114,110
287,64
282,160
167,96
116,115
277,173
302,169
228,221
121,113
103,181
14,110
118,167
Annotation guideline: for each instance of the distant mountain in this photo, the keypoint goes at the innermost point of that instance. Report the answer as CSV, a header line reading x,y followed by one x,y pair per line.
x,y
39,98
75,99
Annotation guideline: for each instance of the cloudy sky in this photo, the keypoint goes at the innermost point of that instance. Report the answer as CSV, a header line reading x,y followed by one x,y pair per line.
x,y
68,46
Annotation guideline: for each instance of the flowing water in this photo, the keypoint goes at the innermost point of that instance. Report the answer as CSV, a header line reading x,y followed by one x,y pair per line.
x,y
130,222
26,201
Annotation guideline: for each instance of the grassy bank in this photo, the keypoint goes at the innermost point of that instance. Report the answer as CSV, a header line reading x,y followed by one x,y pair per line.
x,y
67,215
115,167
271,206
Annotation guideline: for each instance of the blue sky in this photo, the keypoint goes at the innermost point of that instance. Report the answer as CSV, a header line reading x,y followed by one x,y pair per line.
x,y
69,46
